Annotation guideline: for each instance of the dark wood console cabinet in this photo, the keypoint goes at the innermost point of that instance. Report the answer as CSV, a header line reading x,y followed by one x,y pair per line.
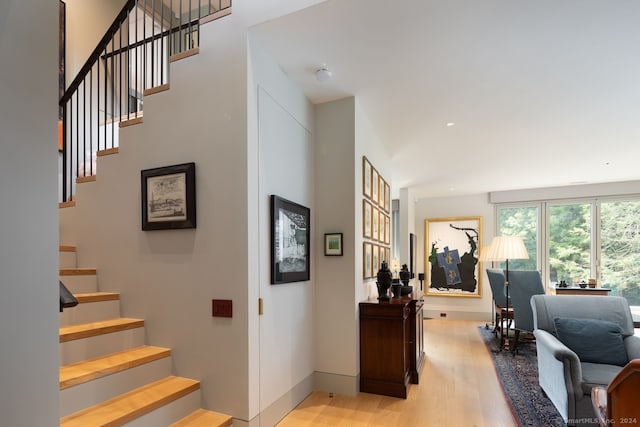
x,y
391,345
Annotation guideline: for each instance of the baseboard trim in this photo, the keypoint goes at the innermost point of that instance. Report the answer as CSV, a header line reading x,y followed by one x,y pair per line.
x,y
338,384
480,316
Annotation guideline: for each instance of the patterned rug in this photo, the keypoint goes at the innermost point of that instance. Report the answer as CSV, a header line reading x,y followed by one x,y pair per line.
x,y
518,375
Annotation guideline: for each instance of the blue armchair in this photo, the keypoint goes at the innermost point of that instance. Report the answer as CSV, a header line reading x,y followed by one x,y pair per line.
x,y
582,341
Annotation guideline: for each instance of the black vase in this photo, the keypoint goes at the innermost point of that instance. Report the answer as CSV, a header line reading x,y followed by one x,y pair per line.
x,y
384,281
405,275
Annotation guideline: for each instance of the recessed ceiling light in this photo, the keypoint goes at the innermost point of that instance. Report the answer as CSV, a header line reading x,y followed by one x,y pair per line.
x,y
449,124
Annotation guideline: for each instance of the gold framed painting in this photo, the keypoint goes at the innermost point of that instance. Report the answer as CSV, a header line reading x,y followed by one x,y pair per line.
x,y
451,254
366,260
366,219
366,177
375,177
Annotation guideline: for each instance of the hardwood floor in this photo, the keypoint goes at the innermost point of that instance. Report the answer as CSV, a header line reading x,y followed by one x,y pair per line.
x,y
458,388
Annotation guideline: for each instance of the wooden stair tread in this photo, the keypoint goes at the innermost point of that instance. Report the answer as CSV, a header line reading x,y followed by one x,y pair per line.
x,y
204,418
68,204
102,327
89,297
88,178
77,272
97,367
107,152
67,248
129,406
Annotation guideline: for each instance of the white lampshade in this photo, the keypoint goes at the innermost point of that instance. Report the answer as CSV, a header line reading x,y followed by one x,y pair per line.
x,y
504,248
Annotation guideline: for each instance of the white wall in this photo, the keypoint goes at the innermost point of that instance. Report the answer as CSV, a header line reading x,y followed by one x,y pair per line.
x,y
343,135
169,277
336,281
28,226
474,205
280,134
86,23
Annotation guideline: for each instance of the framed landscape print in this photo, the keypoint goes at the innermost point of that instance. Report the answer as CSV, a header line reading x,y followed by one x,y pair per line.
x,y
375,260
333,244
366,218
366,177
366,260
375,223
375,177
387,197
451,256
290,241
169,197
381,200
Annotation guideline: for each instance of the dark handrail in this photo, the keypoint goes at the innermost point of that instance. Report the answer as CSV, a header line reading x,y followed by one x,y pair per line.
x,y
110,86
67,299
102,45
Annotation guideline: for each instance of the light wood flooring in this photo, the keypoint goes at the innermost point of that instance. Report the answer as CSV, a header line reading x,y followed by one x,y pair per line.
x,y
458,388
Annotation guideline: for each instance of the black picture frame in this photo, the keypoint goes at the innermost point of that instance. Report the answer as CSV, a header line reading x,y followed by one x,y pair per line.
x,y
333,244
169,197
290,241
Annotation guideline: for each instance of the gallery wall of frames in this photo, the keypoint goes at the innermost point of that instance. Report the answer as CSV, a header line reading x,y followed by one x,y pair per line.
x,y
376,219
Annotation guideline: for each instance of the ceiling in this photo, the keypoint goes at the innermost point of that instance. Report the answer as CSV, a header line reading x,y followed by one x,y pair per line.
x,y
540,93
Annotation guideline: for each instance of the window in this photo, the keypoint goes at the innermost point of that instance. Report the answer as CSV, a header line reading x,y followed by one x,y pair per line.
x,y
620,248
570,243
578,240
523,222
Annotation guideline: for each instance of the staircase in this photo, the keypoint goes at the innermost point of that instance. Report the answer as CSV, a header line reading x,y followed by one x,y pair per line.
x,y
108,375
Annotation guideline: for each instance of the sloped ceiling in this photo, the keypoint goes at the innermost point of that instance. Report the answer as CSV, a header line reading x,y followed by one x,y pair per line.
x,y
540,93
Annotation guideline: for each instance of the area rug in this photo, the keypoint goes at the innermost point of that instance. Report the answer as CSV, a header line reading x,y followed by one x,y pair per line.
x,y
518,376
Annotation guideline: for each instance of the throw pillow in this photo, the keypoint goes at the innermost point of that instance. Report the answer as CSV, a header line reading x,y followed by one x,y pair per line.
x,y
595,341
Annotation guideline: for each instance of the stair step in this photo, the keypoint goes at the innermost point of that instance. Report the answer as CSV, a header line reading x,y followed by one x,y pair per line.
x,y
92,307
107,152
204,418
92,329
79,280
89,297
68,204
88,178
157,89
67,256
87,370
131,405
183,55
77,271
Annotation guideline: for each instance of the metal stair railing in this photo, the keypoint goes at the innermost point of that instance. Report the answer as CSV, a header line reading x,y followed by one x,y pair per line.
x,y
132,56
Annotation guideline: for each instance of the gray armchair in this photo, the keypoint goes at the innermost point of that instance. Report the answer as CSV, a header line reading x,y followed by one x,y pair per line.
x,y
564,377
523,284
503,317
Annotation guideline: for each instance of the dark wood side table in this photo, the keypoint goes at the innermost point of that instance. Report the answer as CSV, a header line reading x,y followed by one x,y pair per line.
x,y
391,345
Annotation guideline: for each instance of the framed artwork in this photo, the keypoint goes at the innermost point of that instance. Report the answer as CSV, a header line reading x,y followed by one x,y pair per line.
x,y
451,256
387,230
381,223
366,218
290,241
366,260
169,197
333,244
366,177
375,260
387,255
375,223
375,177
387,197
381,200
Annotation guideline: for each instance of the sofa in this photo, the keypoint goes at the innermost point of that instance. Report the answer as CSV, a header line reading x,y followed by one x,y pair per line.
x,y
582,341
